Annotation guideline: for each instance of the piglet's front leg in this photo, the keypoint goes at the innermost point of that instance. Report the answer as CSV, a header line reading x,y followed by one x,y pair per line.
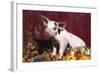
x,y
54,51
61,51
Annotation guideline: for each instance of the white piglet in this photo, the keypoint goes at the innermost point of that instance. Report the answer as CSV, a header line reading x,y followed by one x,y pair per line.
x,y
63,37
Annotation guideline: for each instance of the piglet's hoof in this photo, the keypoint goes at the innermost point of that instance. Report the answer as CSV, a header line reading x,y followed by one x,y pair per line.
x,y
58,57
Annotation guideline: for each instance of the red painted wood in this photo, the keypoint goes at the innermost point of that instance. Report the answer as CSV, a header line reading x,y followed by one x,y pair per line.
x,y
77,23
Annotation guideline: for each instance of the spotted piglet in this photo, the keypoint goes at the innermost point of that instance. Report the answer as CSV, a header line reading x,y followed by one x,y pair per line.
x,y
63,37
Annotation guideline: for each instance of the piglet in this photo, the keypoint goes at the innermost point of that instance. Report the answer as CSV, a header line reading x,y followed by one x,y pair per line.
x,y
63,37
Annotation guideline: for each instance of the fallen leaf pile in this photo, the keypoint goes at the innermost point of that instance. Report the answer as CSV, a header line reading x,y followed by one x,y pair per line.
x,y
31,54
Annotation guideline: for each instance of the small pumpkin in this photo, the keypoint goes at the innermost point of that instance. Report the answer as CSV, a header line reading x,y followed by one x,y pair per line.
x,y
84,57
87,51
70,57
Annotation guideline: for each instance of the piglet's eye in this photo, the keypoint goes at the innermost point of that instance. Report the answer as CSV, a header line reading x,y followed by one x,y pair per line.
x,y
54,28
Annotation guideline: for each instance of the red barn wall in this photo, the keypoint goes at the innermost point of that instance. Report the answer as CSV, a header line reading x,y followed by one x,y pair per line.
x,y
77,23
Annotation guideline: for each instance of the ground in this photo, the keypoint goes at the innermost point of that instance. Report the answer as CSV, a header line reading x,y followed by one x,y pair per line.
x,y
31,54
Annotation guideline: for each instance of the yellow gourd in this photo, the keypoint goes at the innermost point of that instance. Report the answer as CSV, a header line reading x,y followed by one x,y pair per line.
x,y
84,58
70,57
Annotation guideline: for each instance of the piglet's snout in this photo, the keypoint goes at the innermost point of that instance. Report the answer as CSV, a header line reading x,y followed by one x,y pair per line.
x,y
48,32
46,35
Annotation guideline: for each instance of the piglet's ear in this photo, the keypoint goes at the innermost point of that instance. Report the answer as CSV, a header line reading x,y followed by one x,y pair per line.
x,y
45,20
62,24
